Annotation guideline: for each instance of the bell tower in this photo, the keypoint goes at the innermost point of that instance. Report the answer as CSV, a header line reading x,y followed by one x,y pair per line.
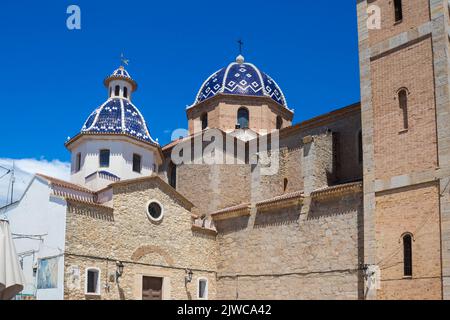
x,y
114,143
404,70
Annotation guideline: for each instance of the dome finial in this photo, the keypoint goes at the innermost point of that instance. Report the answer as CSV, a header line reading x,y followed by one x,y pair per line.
x,y
240,59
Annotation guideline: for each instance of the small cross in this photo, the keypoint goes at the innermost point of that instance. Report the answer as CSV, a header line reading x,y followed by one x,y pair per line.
x,y
240,45
123,60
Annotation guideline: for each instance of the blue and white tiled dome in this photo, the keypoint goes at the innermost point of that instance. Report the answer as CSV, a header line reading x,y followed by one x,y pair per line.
x,y
121,74
241,78
118,116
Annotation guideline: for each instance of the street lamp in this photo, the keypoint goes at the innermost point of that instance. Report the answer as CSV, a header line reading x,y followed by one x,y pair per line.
x,y
188,278
119,270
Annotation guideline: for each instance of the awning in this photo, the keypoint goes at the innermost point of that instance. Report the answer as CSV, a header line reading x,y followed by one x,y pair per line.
x,y
11,275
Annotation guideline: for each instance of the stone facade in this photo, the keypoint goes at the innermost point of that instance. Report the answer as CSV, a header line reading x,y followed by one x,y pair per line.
x,y
282,253
98,237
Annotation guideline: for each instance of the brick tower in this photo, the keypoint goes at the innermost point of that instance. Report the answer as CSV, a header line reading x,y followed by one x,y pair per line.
x,y
404,68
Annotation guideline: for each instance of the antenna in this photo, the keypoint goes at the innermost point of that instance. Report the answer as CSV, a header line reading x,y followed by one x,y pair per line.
x,y
8,171
13,180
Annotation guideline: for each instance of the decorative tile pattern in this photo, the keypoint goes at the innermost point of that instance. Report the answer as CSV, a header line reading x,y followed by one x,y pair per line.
x,y
118,116
121,72
241,79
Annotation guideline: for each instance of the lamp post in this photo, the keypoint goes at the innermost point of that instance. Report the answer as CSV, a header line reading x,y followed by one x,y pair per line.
x,y
119,270
188,277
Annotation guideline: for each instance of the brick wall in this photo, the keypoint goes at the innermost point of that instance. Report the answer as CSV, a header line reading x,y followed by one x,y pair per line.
x,y
222,113
399,152
412,210
415,13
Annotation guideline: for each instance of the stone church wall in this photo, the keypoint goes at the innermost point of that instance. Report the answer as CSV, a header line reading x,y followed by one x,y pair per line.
x,y
214,187
283,254
98,237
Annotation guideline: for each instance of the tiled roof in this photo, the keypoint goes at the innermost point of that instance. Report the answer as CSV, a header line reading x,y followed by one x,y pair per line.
x,y
64,184
241,78
121,74
118,116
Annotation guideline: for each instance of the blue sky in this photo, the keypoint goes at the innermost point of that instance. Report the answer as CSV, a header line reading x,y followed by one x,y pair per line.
x,y
52,77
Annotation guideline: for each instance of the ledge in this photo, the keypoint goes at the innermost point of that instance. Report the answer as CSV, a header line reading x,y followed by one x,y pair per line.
x,y
87,203
203,230
337,191
283,201
232,212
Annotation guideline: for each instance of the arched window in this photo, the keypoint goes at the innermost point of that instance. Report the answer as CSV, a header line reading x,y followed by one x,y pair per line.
x,y
125,92
117,91
204,120
279,122
286,182
398,10
172,175
242,118
403,104
407,255
360,148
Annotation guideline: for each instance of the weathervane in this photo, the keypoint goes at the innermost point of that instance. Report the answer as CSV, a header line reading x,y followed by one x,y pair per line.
x,y
123,60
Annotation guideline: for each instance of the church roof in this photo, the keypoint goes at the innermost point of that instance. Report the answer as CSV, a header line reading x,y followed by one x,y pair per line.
x,y
241,78
118,116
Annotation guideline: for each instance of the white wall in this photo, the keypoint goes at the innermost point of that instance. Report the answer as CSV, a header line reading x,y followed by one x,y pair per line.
x,y
122,84
40,213
121,159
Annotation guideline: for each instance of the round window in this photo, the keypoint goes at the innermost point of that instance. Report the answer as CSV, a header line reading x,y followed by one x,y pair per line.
x,y
155,210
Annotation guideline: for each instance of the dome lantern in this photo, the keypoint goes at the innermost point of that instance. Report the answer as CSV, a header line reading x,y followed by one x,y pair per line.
x,y
120,84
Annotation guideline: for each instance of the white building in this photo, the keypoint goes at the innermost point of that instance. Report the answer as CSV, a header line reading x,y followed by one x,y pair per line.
x,y
114,144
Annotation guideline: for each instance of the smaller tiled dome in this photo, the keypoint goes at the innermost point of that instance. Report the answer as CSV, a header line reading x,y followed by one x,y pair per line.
x,y
121,74
118,116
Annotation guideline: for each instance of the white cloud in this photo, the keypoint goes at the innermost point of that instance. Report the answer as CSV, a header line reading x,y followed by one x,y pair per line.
x,y
24,171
